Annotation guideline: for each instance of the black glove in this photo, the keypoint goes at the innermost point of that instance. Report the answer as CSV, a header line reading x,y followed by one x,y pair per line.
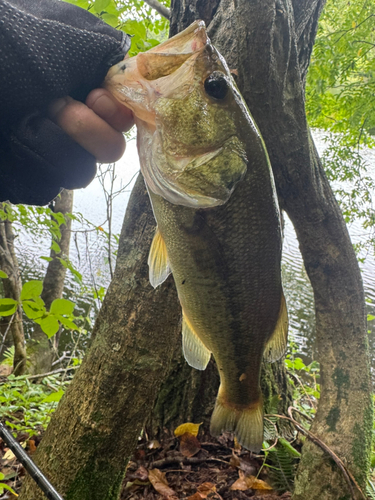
x,y
48,49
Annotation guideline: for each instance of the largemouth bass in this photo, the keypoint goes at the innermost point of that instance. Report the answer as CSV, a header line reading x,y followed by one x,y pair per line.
x,y
225,259
178,93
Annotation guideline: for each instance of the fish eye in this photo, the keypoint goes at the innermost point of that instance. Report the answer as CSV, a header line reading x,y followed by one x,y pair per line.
x,y
216,85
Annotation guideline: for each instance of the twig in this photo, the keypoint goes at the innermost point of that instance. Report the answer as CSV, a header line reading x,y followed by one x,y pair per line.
x,y
185,461
42,375
64,354
347,474
159,7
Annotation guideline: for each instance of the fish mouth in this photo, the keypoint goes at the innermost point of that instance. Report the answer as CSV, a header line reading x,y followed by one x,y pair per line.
x,y
203,181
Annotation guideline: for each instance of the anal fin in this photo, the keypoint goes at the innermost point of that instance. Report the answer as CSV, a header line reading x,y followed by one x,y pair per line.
x,y
196,353
158,264
276,346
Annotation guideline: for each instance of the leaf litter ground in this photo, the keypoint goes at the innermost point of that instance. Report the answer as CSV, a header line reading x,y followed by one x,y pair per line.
x,y
185,467
180,466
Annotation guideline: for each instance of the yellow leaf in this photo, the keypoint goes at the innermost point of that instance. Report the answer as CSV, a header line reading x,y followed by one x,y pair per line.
x,y
9,455
246,482
257,484
188,427
359,52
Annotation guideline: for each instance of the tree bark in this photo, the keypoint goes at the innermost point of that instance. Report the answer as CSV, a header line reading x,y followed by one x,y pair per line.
x,y
40,349
12,289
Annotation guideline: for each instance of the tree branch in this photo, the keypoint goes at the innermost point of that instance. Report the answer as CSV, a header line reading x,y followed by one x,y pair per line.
x,y
159,7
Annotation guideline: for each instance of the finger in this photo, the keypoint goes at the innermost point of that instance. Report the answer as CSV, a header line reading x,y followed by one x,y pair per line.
x,y
107,107
88,129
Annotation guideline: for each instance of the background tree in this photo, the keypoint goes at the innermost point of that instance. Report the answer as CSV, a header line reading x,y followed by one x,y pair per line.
x,y
12,286
41,350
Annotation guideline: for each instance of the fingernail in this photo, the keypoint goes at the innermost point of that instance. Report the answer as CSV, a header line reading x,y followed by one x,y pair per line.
x,y
104,107
57,105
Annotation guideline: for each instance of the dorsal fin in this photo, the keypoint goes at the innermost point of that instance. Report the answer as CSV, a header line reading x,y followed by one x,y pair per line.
x,y
277,344
158,264
195,352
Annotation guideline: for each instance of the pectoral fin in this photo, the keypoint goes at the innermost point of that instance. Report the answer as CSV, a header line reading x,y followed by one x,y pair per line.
x,y
158,264
276,346
195,352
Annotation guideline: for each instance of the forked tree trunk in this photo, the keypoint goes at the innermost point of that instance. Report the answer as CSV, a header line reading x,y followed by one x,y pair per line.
x,y
41,350
99,419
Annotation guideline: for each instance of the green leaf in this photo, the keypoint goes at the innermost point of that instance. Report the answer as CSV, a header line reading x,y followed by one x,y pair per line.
x,y
31,289
100,5
67,323
4,486
3,275
55,247
62,306
8,307
299,364
33,310
49,325
48,259
55,396
110,19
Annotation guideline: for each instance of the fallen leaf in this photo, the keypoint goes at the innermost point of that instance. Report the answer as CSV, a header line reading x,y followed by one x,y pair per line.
x,y
32,447
246,482
152,445
206,489
189,445
5,370
240,484
141,473
160,483
9,455
234,461
257,484
188,427
196,496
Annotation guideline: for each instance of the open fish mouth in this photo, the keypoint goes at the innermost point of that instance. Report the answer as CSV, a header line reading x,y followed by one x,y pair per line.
x,y
202,181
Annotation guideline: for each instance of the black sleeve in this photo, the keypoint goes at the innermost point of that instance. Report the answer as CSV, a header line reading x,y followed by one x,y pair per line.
x,y
48,49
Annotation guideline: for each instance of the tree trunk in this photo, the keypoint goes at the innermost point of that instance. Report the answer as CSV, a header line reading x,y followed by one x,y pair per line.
x,y
12,289
40,349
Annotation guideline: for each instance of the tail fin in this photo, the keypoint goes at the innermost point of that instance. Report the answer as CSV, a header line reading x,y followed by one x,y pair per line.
x,y
247,423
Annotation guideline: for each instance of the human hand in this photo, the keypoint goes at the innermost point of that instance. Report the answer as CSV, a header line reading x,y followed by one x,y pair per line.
x,y
97,126
69,53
